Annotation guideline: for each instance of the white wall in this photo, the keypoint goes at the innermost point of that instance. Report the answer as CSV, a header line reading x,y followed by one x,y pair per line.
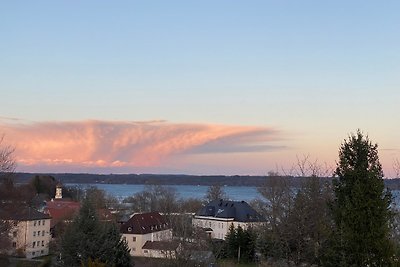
x,y
136,242
220,226
31,238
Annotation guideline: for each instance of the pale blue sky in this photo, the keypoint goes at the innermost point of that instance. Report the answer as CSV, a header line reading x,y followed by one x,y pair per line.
x,y
314,70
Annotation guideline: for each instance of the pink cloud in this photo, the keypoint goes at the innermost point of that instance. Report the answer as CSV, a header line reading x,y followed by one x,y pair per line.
x,y
123,144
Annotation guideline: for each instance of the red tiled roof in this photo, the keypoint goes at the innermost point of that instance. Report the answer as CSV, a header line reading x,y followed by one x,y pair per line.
x,y
144,223
61,209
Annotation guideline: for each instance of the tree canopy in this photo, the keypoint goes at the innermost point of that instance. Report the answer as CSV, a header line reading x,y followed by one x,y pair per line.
x,y
86,239
361,207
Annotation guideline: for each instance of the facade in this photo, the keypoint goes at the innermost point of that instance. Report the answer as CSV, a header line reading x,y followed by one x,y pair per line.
x,y
161,249
145,227
30,233
217,217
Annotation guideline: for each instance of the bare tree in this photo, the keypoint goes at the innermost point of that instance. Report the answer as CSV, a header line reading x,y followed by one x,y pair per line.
x,y
7,161
296,210
154,198
305,166
215,192
7,167
396,167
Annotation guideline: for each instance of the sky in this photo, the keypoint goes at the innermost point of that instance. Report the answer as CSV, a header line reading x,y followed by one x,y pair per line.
x,y
196,87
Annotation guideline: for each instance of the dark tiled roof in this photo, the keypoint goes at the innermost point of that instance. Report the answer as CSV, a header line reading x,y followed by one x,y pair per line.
x,y
161,245
22,214
240,211
144,223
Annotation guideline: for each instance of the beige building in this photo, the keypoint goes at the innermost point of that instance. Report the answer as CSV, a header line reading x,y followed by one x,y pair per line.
x,y
148,235
217,217
30,233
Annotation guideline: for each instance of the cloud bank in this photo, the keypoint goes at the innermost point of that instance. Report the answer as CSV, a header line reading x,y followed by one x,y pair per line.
x,y
121,144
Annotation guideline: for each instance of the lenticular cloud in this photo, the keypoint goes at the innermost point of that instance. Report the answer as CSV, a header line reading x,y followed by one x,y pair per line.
x,y
116,144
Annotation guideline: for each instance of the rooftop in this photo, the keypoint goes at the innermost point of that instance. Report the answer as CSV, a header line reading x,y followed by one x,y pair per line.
x,y
240,211
22,214
144,223
161,245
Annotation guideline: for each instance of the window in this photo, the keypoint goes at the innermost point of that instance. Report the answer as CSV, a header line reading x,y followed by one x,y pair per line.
x,y
134,239
38,222
133,249
43,233
34,233
42,251
145,251
14,244
38,233
15,223
15,234
33,253
43,222
42,243
33,244
34,223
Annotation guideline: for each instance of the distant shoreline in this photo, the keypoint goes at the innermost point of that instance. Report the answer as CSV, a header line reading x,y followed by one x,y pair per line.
x,y
173,179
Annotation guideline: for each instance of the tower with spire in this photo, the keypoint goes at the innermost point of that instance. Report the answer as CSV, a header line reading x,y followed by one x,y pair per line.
x,y
58,191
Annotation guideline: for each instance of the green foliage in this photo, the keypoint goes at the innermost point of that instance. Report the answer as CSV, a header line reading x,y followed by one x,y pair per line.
x,y
87,238
361,208
240,244
113,250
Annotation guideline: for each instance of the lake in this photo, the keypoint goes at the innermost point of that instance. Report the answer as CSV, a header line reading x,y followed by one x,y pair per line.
x,y
122,191
238,193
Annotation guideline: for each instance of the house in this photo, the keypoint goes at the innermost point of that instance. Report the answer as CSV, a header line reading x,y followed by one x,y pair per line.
x,y
146,235
60,209
217,217
30,232
161,249
64,210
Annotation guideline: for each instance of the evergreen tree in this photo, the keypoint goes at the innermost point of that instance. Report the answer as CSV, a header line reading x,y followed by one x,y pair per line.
x,y
87,238
231,243
114,250
361,207
240,244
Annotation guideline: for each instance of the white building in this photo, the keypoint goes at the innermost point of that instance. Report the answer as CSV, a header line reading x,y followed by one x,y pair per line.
x,y
146,235
217,217
30,233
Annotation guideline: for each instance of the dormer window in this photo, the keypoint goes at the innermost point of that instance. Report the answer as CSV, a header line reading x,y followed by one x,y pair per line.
x,y
129,229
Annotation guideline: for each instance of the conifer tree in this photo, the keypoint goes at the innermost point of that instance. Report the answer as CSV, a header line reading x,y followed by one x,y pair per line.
x,y
361,207
87,239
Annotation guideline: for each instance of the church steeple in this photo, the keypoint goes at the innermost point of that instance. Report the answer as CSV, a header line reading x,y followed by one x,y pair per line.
x,y
58,191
